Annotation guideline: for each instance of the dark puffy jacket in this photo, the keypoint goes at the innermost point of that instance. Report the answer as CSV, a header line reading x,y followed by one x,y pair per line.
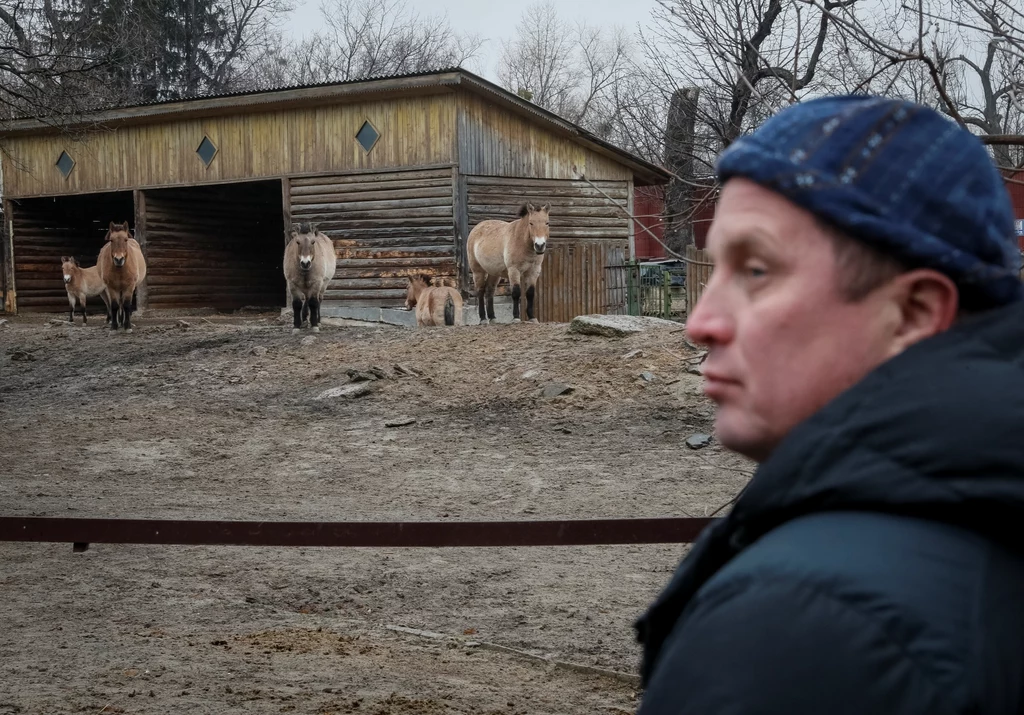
x,y
875,562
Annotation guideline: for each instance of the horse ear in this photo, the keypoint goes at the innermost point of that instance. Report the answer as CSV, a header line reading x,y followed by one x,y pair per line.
x,y
531,208
314,228
545,208
111,226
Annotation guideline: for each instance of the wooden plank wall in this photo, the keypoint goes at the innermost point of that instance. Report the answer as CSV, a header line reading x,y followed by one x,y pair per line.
x,y
385,227
588,234
46,229
251,144
215,247
494,141
579,279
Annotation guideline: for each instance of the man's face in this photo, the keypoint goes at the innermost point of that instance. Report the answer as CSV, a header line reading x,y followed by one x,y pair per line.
x,y
782,339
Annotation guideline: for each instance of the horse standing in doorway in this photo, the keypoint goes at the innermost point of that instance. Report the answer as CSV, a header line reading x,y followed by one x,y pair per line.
x,y
309,266
122,269
508,249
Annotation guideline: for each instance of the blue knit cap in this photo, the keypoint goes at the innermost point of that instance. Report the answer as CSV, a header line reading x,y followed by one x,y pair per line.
x,y
898,176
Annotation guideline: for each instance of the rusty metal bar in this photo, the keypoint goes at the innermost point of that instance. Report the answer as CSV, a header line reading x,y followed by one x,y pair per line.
x,y
581,532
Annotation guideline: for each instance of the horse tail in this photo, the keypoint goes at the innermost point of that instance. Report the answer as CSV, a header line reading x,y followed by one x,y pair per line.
x,y
449,310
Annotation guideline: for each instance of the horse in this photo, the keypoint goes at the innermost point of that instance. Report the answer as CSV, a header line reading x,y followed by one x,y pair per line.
x,y
309,266
122,269
435,305
512,250
82,283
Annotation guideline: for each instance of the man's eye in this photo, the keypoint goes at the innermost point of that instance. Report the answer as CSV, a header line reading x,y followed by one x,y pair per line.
x,y
755,270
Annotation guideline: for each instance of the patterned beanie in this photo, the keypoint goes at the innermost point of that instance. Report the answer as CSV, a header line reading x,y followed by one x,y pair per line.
x,y
898,176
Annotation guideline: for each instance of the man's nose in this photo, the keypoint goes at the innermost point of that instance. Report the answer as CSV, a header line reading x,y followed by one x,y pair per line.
x,y
711,322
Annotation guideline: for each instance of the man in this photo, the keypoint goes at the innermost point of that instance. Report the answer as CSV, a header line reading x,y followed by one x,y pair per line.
x,y
865,337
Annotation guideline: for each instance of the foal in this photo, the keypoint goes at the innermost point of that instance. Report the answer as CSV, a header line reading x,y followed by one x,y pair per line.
x,y
435,305
82,283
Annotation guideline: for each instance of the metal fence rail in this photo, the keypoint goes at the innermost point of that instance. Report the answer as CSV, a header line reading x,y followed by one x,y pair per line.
x,y
577,532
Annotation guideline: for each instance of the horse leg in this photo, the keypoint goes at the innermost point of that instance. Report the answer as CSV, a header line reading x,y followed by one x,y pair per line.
x,y
492,284
126,319
480,284
515,280
85,318
71,300
297,310
314,313
531,292
115,312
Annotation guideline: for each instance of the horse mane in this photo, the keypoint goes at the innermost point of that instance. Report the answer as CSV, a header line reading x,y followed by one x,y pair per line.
x,y
524,210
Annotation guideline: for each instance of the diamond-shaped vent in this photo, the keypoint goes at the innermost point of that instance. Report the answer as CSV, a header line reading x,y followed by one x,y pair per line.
x,y
206,150
65,163
367,136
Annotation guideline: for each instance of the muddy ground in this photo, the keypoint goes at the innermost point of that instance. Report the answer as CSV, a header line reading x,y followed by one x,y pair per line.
x,y
217,417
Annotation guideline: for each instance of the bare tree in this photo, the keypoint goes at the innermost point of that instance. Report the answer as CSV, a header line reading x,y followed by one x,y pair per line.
x,y
367,38
964,57
573,70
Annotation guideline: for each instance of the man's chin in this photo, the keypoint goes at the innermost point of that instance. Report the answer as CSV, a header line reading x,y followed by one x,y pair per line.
x,y
736,434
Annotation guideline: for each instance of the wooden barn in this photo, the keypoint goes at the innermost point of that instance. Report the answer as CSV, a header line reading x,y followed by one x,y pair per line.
x,y
395,170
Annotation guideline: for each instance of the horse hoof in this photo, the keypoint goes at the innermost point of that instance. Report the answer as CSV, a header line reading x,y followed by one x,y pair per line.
x,y
295,331
516,320
127,330
316,329
534,320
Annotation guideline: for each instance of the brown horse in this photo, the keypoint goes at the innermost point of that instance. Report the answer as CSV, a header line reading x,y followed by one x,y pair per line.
x,y
122,269
435,305
82,283
512,250
309,266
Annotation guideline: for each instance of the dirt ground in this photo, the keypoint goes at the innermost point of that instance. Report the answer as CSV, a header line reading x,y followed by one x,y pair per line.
x,y
218,417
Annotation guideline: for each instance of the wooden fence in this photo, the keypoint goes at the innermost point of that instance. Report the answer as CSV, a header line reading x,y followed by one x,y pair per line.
x,y
698,273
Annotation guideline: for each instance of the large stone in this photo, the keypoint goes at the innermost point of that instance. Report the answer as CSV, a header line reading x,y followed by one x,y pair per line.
x,y
356,389
617,326
555,389
698,441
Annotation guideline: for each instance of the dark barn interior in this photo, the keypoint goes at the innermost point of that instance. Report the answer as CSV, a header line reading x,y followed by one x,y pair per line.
x,y
215,246
47,228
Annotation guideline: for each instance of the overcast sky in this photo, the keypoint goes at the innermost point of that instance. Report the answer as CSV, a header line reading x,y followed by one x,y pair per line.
x,y
494,20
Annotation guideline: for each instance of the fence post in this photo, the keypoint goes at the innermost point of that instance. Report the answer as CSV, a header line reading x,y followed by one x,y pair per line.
x,y
632,289
666,294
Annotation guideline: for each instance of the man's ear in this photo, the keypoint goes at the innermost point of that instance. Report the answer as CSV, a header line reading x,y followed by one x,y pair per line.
x,y
924,303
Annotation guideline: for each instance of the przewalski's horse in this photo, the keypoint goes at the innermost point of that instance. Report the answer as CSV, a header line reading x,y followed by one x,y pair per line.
x,y
82,283
512,250
122,269
309,266
435,305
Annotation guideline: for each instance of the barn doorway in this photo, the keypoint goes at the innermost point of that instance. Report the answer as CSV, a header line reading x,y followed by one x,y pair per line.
x,y
215,247
46,229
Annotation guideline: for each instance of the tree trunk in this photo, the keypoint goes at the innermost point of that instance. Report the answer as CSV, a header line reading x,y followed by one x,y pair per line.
x,y
679,147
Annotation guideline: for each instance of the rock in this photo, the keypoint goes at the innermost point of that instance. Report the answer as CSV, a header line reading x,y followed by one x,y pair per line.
x,y
698,441
617,326
555,389
407,370
380,372
22,356
258,351
360,376
400,422
352,390
184,324
648,376
695,370
632,354
308,340
3,322
530,374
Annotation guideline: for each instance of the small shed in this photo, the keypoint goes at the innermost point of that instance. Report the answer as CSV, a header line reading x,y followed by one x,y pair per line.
x,y
395,170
